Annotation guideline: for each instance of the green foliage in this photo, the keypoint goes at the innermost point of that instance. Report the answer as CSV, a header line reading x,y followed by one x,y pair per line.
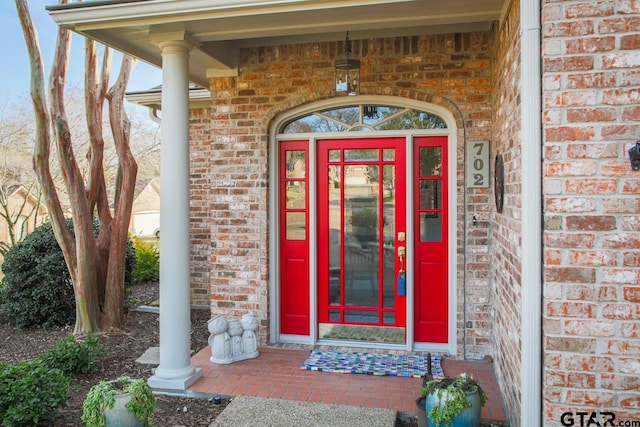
x,y
101,398
452,397
72,356
148,261
30,392
33,391
37,288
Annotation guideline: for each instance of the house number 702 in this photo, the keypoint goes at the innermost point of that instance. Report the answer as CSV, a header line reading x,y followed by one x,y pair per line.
x,y
477,164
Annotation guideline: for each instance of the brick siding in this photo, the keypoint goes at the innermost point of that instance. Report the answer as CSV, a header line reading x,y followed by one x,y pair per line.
x,y
230,149
591,111
506,234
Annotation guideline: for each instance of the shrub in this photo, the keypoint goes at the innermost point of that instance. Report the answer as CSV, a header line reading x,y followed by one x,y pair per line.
x,y
72,356
30,392
147,261
37,287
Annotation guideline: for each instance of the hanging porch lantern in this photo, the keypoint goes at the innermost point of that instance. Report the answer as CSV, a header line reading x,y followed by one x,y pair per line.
x,y
347,71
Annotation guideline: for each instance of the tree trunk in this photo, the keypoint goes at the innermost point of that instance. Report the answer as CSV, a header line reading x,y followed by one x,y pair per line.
x,y
96,263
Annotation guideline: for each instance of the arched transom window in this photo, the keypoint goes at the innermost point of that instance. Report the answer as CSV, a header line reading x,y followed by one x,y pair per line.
x,y
363,118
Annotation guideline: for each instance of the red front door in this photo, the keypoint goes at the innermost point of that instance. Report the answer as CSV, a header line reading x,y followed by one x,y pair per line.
x,y
361,211
430,196
361,225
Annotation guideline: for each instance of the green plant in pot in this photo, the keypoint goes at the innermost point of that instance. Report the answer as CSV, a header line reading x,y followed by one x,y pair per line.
x,y
453,401
120,403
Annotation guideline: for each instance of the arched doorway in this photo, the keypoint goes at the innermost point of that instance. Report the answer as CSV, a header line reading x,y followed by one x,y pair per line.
x,y
362,253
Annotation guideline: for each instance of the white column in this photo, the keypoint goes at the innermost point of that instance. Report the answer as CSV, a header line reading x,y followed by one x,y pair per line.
x,y
531,160
175,370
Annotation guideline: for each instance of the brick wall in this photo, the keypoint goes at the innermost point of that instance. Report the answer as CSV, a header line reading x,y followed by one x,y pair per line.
x,y
230,174
591,102
199,209
506,227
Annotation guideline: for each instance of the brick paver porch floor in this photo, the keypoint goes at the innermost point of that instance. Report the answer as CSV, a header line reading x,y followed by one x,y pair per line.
x,y
276,373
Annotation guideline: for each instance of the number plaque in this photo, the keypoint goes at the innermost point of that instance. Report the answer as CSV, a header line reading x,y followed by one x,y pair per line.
x,y
477,164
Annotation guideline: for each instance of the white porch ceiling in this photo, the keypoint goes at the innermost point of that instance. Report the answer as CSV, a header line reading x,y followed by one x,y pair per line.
x,y
219,28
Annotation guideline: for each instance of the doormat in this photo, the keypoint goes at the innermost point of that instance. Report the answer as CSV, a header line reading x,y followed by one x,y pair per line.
x,y
372,364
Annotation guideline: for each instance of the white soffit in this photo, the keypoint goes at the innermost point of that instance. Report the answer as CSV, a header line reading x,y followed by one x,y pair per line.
x,y
221,27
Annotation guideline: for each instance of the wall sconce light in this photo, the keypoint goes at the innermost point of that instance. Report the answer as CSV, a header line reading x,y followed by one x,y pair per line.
x,y
634,156
347,71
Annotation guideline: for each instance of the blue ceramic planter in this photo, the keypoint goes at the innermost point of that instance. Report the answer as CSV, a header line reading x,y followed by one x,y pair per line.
x,y
469,417
120,416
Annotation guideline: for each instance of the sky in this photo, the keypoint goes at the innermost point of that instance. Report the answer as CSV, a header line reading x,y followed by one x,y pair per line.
x,y
15,76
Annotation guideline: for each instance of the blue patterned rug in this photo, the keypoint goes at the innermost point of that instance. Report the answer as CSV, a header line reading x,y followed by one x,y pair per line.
x,y
372,364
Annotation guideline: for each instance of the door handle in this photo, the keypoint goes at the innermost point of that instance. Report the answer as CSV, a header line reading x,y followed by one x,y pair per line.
x,y
402,279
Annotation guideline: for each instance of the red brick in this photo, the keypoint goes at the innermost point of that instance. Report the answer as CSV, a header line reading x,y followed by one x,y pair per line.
x,y
621,241
630,42
593,293
593,258
621,311
589,9
631,293
620,60
591,223
570,168
620,24
630,401
580,115
620,382
590,44
591,186
568,28
576,63
590,398
589,328
569,240
571,309
627,6
570,274
621,276
598,79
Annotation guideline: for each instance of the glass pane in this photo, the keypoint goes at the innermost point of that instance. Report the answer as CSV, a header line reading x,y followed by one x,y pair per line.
x,y
389,319
374,114
296,195
370,155
296,164
347,115
335,233
296,225
334,155
389,232
388,154
413,119
313,123
363,118
430,194
430,161
361,237
361,316
430,227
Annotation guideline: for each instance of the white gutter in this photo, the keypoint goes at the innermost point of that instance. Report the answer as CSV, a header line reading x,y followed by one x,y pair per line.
x,y
531,161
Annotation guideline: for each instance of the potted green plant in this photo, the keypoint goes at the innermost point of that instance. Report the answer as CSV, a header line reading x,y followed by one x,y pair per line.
x,y
452,401
122,402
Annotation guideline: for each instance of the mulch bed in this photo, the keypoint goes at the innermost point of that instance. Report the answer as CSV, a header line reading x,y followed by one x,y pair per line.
x,y
122,349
